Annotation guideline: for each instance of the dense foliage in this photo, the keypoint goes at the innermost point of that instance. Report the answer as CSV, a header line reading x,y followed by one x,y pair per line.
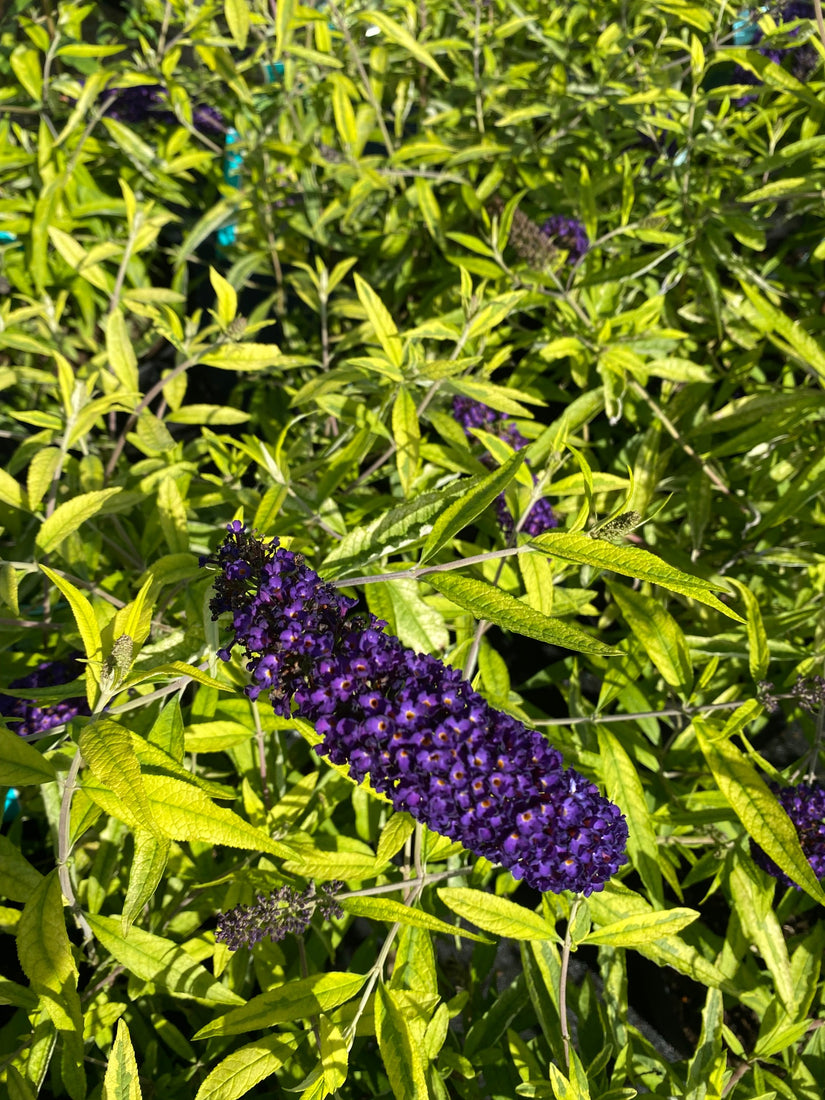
x,y
412,469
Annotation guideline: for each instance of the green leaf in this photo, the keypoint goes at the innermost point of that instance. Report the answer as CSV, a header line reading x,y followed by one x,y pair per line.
x,y
491,604
407,615
660,635
757,809
26,66
145,872
758,652
478,493
217,736
494,312
379,316
497,397
43,946
630,561
122,1081
238,1073
156,959
83,614
754,908
624,787
396,530
616,902
121,354
773,320
184,812
387,910
498,915
237,19
11,492
18,879
286,1003
327,858
396,33
69,516
42,470
252,357
641,928
107,749
394,835
214,415
225,293
21,764
709,1059
402,1058
407,436
172,516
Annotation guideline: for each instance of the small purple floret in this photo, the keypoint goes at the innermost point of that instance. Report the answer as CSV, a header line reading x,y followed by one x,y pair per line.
x,y
419,731
805,806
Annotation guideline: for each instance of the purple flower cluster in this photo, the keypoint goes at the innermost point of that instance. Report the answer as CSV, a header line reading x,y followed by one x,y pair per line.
x,y
808,692
475,414
569,233
419,731
284,911
805,806
28,718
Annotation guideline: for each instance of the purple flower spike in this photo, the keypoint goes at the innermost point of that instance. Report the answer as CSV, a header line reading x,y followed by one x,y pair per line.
x,y
28,717
569,233
805,806
420,732
540,518
474,414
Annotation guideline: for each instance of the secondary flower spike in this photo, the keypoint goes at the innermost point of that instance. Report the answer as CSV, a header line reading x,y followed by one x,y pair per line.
x,y
420,732
805,806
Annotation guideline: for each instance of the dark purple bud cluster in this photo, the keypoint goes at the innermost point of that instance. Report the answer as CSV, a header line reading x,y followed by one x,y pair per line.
x,y
419,731
808,692
569,233
284,911
27,717
805,806
475,414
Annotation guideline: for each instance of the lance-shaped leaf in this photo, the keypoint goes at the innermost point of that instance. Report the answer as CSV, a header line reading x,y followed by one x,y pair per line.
x,y
20,763
156,959
238,1073
757,809
292,1001
121,1081
630,561
479,492
146,870
498,915
402,37
388,910
641,928
380,318
108,750
487,602
18,879
402,1057
69,516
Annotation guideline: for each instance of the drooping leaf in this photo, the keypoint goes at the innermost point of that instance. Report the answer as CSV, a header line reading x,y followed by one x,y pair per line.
x,y
498,915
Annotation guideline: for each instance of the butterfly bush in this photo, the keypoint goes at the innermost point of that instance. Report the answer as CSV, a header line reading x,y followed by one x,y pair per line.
x,y
805,806
475,414
569,233
410,724
28,717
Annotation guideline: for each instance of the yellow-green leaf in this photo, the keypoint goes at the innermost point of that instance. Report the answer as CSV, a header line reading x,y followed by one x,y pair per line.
x,y
407,435
630,561
21,764
70,515
243,1069
641,928
122,1081
292,1001
386,909
489,603
660,635
757,809
107,749
121,354
498,915
380,318
156,959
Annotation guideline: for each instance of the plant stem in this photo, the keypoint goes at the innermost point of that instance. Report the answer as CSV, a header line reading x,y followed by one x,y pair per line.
x,y
565,962
64,846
